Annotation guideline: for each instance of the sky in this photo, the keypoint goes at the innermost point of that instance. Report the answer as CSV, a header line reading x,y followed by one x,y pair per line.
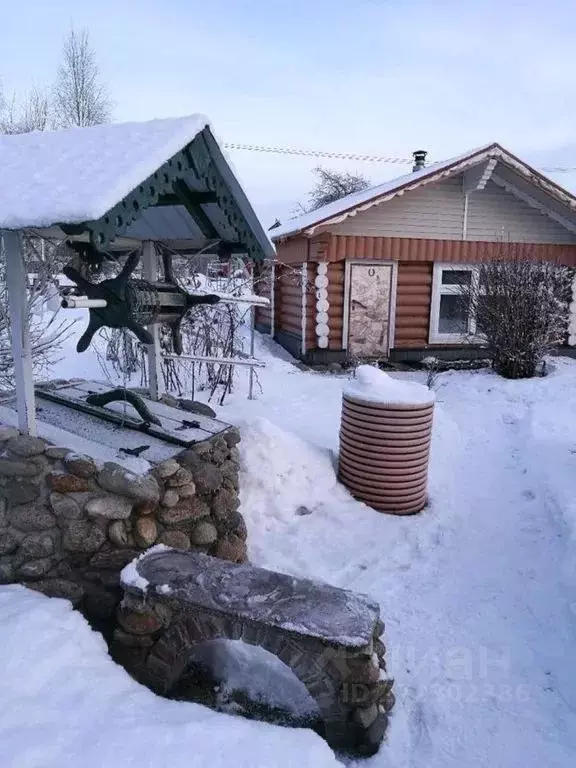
x,y
381,77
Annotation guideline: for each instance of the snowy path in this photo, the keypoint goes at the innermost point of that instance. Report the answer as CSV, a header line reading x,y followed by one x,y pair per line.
x,y
475,591
489,632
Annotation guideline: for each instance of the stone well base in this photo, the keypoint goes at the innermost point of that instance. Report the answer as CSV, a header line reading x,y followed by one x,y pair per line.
x,y
68,525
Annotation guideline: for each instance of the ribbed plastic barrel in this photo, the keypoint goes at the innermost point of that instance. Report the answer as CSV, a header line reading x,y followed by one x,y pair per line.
x,y
385,439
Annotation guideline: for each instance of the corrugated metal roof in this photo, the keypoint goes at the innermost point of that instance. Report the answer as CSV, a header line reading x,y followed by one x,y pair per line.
x,y
170,222
350,205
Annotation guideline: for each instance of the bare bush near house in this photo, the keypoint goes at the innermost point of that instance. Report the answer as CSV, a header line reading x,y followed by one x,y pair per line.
x,y
521,310
80,97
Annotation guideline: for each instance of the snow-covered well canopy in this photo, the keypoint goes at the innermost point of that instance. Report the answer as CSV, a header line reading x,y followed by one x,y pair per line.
x,y
163,180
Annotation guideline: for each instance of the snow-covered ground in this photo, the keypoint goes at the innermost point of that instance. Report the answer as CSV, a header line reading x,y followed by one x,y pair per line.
x,y
478,592
64,704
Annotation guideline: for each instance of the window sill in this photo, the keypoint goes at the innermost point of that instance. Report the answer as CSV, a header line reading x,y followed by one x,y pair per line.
x,y
456,339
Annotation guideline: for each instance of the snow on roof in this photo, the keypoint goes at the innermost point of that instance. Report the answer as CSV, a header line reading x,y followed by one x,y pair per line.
x,y
79,174
351,204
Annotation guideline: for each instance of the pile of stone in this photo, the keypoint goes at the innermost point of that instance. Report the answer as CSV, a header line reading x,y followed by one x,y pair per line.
x,y
68,525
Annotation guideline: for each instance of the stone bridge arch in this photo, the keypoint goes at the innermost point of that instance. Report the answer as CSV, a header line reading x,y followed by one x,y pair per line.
x,y
328,637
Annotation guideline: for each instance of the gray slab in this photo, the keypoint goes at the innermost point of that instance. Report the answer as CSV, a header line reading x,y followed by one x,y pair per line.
x,y
246,592
172,418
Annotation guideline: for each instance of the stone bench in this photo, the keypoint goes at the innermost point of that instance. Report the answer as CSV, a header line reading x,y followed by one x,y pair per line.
x,y
329,637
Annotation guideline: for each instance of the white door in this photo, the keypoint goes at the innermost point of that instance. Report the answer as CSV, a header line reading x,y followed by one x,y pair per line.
x,y
369,309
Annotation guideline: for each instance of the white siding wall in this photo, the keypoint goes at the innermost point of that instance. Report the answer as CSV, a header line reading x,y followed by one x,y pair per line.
x,y
437,212
495,214
431,212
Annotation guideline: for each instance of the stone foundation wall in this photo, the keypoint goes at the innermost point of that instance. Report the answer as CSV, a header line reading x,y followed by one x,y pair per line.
x,y
68,525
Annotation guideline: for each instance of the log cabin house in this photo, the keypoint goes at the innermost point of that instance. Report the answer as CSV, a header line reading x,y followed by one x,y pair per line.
x,y
376,273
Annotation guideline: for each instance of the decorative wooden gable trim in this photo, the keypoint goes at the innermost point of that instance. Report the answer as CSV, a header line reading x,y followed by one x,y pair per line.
x,y
168,181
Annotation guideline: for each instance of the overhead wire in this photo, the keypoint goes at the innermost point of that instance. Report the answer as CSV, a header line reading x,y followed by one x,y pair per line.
x,y
366,158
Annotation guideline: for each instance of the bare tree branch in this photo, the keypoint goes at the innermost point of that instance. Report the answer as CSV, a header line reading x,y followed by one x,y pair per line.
x,y
35,113
31,115
333,185
80,98
46,336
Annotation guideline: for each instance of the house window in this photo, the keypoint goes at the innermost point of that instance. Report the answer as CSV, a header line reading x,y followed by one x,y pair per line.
x,y
450,318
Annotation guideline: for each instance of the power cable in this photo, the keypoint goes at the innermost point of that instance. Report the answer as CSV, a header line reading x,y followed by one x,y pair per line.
x,y
319,153
349,155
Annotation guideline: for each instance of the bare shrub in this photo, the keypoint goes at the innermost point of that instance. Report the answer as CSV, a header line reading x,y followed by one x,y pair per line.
x,y
432,366
520,307
47,330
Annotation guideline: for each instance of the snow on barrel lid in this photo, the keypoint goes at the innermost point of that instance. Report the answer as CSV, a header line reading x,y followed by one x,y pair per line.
x,y
374,386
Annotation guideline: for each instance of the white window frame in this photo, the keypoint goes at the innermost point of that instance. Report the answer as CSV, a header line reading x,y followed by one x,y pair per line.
x,y
439,290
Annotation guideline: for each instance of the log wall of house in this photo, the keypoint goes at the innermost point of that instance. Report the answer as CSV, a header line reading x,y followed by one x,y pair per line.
x,y
406,249
289,305
336,279
415,258
288,302
413,298
263,287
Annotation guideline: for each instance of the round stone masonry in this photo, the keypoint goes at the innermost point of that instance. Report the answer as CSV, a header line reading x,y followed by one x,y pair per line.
x,y
329,637
64,515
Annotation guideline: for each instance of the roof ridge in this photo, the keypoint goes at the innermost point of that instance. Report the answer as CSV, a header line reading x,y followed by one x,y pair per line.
x,y
345,206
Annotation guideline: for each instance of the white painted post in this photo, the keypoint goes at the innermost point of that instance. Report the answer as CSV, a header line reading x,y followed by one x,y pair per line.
x,y
322,306
572,317
16,288
150,270
252,336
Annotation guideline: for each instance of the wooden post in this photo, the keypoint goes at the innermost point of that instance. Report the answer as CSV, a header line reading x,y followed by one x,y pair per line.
x,y
304,279
273,300
252,336
17,290
150,270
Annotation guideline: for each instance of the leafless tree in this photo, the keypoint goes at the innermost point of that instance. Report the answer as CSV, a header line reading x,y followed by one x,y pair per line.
x,y
332,185
47,331
80,97
33,114
8,112
520,309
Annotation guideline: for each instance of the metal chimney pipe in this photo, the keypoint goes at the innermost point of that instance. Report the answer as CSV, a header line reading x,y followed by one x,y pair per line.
x,y
419,159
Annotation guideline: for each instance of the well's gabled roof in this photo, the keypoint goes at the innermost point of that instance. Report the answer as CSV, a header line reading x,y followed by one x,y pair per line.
x,y
338,211
106,180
